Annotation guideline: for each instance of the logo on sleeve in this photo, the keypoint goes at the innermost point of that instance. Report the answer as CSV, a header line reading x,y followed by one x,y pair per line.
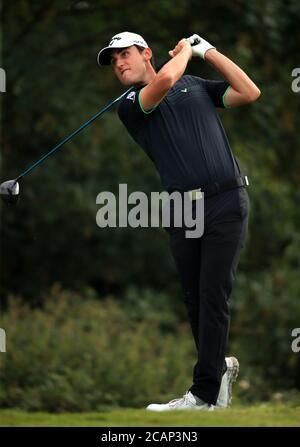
x,y
131,96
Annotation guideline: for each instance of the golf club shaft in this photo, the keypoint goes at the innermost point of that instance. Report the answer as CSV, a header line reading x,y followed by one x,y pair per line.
x,y
69,137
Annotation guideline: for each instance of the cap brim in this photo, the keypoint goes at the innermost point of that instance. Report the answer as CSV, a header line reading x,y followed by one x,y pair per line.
x,y
103,57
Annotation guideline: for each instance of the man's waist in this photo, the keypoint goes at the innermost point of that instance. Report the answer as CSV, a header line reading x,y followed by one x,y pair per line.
x,y
212,189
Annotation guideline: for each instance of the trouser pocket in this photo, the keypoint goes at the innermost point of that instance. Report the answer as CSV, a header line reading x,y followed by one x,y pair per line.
x,y
244,203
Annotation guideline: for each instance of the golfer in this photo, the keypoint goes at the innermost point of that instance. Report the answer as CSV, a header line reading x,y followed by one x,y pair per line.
x,y
173,117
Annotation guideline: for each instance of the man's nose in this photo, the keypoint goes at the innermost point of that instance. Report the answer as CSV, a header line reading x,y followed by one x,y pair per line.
x,y
119,63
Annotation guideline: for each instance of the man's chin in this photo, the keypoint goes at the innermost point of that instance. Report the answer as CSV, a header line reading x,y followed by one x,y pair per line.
x,y
126,81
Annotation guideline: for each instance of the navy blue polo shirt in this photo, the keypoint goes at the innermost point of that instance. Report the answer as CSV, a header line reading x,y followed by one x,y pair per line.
x,y
183,135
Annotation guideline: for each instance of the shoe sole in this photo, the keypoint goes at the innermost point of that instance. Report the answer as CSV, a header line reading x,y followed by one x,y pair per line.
x,y
210,408
233,372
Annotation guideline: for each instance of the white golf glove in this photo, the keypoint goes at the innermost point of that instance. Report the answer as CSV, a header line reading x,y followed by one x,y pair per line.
x,y
200,48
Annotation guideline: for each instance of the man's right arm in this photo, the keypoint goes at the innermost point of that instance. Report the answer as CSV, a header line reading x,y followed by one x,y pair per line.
x,y
156,90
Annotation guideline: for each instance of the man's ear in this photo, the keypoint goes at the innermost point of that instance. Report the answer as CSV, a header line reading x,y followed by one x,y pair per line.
x,y
147,54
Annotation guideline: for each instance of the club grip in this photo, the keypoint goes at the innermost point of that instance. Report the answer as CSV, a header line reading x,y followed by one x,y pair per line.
x,y
196,41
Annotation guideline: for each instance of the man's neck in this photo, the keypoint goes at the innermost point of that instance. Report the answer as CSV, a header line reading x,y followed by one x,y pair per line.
x,y
149,75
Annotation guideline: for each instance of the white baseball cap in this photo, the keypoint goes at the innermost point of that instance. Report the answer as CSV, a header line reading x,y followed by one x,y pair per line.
x,y
121,40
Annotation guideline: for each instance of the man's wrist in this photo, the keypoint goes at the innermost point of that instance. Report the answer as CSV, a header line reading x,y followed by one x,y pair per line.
x,y
188,50
209,54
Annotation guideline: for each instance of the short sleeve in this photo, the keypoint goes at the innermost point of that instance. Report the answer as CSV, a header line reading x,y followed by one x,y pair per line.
x,y
217,90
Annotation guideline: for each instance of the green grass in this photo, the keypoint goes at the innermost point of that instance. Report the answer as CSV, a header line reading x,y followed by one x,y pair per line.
x,y
263,415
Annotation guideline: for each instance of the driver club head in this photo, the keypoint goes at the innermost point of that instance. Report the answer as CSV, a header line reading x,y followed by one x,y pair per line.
x,y
9,191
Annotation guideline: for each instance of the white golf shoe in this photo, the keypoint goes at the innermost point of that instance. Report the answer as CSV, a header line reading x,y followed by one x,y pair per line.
x,y
230,376
187,402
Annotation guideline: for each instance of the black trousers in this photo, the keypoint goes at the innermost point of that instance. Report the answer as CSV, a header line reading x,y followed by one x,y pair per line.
x,y
207,266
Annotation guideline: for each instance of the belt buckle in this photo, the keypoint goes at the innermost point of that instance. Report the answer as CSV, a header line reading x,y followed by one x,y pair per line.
x,y
195,194
246,180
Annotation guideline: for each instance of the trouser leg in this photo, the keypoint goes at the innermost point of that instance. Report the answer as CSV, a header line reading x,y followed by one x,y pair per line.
x,y
219,255
207,267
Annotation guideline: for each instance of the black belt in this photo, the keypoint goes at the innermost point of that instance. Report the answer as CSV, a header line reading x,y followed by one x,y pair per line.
x,y
218,187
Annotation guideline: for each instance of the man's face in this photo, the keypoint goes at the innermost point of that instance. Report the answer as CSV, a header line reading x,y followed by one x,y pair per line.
x,y
129,65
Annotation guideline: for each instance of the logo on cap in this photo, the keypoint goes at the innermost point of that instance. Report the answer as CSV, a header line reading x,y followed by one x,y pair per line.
x,y
139,42
113,39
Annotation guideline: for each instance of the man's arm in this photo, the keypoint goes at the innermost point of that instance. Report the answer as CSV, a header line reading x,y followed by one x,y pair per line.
x,y
242,89
156,90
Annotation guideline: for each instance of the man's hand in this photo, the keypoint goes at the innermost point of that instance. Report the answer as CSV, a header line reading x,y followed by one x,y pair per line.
x,y
183,45
200,48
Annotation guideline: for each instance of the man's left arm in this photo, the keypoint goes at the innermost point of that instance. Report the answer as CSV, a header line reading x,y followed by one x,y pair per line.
x,y
242,90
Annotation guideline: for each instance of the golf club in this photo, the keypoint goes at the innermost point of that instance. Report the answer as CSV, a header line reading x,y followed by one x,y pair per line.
x,y
9,190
